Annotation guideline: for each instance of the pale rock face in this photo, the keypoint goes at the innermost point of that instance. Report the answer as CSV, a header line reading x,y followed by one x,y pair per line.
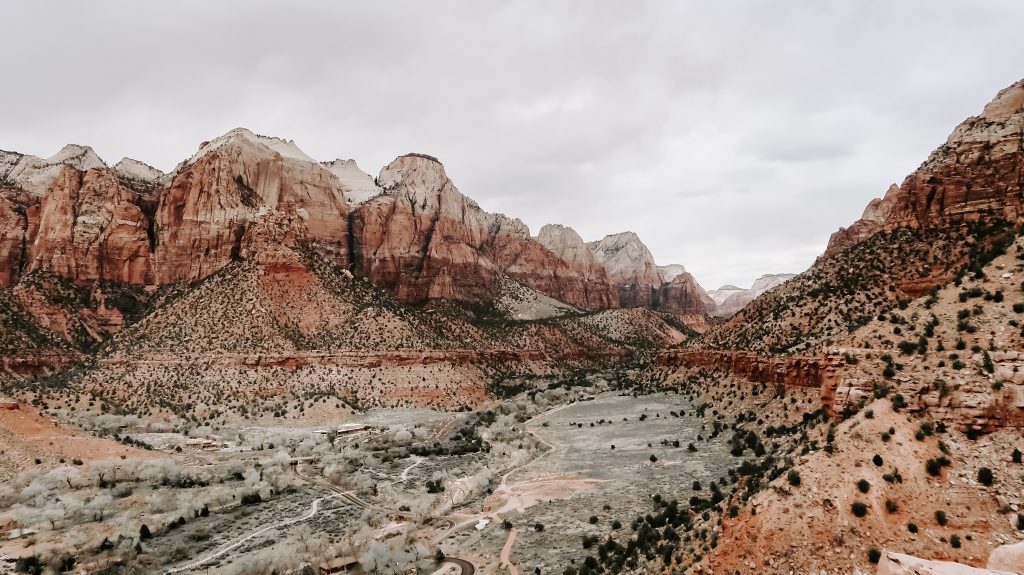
x,y
721,294
975,175
900,564
213,197
357,185
1008,558
669,272
769,281
729,300
630,267
35,174
286,148
139,171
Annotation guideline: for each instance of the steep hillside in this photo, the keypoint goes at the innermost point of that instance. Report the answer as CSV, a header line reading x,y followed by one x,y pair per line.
x,y
259,335
953,214
845,291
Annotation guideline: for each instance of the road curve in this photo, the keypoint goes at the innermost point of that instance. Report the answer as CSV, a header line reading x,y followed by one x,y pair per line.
x,y
467,567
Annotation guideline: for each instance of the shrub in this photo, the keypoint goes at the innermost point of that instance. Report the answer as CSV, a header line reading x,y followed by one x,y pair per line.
x,y
793,477
145,533
877,460
890,506
593,519
912,527
954,541
863,486
1016,455
985,476
859,508
538,527
874,555
940,517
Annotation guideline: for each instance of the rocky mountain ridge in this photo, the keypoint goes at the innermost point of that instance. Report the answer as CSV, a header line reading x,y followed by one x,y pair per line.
x,y
409,230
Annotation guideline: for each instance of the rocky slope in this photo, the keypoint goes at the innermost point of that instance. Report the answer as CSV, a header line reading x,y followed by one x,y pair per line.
x,y
976,175
423,240
908,332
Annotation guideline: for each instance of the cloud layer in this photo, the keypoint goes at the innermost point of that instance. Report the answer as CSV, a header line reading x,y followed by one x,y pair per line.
x,y
733,137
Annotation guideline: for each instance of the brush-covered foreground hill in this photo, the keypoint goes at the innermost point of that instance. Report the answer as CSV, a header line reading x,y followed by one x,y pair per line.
x,y
953,214
909,332
283,326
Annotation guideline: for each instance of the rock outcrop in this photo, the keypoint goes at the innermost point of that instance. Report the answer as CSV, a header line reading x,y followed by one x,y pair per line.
x,y
35,175
1008,558
900,564
683,296
90,227
423,239
231,181
631,268
976,175
794,371
640,282
565,243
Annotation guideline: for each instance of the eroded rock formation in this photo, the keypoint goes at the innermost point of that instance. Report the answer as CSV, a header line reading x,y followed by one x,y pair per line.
x,y
977,174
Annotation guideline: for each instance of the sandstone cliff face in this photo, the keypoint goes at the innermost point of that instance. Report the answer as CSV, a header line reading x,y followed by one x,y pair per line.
x,y
683,296
91,227
424,240
975,175
412,231
211,200
631,268
640,282
13,224
565,243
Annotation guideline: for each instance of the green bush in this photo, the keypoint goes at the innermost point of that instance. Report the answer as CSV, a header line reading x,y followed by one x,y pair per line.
x,y
985,476
954,541
874,555
863,486
940,517
860,509
912,527
793,477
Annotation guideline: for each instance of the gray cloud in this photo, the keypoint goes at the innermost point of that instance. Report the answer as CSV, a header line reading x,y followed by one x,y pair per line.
x,y
732,136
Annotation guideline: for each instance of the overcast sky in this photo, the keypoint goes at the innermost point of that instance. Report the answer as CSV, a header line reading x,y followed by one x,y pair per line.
x,y
733,137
